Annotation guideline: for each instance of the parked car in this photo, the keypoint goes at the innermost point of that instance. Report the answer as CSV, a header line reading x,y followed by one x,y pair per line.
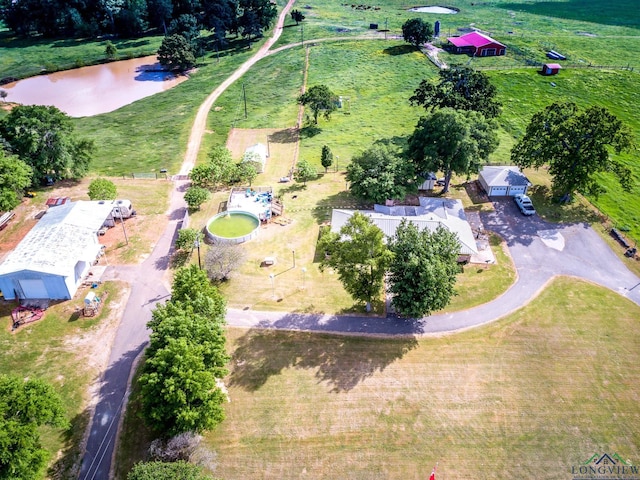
x,y
524,204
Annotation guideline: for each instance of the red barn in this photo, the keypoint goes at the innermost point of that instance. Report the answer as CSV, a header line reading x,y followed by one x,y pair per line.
x,y
477,44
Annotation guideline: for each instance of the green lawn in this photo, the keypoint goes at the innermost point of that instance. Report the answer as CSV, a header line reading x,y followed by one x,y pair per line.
x,y
541,390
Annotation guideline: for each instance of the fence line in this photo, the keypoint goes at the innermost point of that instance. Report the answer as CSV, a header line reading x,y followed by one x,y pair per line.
x,y
146,176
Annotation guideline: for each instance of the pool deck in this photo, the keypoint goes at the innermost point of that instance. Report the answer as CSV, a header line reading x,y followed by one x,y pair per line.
x,y
252,204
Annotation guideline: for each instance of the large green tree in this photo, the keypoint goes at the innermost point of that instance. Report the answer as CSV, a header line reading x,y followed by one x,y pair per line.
x,y
576,144
461,88
255,16
380,173
196,196
319,99
452,141
185,357
423,271
219,169
176,53
24,406
179,393
44,138
417,32
360,257
15,176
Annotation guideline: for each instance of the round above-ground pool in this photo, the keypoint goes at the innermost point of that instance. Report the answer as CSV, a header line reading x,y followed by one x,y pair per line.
x,y
435,9
233,227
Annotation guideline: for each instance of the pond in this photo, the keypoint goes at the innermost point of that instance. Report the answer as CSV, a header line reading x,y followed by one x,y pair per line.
x,y
439,10
88,91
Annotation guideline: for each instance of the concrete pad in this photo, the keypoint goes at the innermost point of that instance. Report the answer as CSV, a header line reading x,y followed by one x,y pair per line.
x,y
552,239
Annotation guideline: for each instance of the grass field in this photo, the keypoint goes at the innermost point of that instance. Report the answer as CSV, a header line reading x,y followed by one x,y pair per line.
x,y
539,391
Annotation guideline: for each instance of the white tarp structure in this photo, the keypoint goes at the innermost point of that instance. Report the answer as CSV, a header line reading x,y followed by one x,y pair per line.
x,y
53,258
256,153
432,213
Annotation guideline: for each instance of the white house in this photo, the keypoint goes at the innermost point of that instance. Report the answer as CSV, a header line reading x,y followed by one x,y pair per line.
x,y
432,213
53,258
503,181
256,153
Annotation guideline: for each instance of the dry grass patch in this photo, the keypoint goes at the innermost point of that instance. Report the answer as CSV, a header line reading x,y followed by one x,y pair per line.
x,y
540,390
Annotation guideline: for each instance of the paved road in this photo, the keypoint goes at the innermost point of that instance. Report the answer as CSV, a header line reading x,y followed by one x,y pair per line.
x,y
574,250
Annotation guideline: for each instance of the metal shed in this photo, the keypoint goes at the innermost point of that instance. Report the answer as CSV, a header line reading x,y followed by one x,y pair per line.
x,y
56,254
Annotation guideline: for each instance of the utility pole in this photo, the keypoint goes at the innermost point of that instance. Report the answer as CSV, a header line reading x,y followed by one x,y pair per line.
x,y
123,229
244,94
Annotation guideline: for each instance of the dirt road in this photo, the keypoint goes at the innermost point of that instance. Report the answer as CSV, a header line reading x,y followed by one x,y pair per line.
x,y
200,123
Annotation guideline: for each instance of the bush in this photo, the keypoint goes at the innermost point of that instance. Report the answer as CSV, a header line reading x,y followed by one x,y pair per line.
x,y
196,196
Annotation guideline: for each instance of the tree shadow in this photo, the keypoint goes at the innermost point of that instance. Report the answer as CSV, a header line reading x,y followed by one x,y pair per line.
x,y
287,135
340,362
399,50
66,464
310,131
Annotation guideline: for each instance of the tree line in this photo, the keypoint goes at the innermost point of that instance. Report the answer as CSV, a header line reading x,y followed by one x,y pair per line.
x,y
130,18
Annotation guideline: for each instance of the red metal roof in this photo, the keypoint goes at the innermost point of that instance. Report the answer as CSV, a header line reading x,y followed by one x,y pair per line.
x,y
473,39
57,201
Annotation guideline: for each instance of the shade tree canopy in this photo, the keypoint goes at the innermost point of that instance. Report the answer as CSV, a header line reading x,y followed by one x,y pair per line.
x,y
417,32
26,405
452,141
461,88
320,100
44,138
185,358
304,172
102,189
15,176
576,144
380,173
176,53
326,158
360,257
423,271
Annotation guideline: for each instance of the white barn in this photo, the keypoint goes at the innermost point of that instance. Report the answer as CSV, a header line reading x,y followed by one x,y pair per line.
x,y
54,257
432,213
503,181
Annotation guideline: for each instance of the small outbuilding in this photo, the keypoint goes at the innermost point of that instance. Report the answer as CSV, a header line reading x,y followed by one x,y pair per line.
x,y
476,44
503,181
551,68
55,256
256,153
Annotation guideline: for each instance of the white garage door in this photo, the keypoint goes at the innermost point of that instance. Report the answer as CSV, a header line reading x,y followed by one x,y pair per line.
x,y
34,289
498,191
516,190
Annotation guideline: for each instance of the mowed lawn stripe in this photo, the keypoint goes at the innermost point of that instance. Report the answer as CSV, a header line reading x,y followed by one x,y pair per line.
x,y
537,392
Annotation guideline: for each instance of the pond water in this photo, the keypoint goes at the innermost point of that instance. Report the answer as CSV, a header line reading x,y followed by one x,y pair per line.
x,y
93,90
439,10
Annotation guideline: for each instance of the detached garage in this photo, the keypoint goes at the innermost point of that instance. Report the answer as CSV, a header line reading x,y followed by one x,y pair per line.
x,y
56,255
503,181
